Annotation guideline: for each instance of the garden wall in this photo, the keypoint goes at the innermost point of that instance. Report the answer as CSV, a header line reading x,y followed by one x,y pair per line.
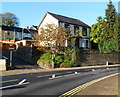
x,y
24,53
98,58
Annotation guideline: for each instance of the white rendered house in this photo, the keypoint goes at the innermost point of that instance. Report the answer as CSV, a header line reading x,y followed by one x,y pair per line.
x,y
69,23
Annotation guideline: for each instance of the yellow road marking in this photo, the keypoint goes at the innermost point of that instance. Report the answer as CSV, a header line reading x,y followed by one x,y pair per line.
x,y
81,87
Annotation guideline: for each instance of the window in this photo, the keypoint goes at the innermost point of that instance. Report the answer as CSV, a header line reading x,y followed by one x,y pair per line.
x,y
84,31
83,44
16,35
8,33
87,43
67,26
76,29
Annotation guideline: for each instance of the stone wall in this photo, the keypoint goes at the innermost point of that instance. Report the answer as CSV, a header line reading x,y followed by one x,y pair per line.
x,y
85,57
97,58
24,53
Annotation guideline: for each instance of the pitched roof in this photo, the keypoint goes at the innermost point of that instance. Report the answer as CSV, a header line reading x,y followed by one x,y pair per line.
x,y
69,20
33,27
17,29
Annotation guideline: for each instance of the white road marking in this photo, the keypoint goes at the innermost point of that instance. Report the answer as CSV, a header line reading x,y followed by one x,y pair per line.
x,y
14,85
21,82
48,75
70,74
93,69
56,77
9,81
64,75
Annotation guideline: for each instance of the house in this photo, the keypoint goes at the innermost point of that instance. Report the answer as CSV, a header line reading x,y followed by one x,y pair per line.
x,y
16,36
69,23
33,27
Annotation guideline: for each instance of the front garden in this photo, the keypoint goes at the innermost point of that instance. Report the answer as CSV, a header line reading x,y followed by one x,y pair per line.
x,y
67,59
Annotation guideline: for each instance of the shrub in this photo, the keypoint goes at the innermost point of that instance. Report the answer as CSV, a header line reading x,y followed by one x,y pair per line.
x,y
46,58
68,62
36,58
69,59
58,60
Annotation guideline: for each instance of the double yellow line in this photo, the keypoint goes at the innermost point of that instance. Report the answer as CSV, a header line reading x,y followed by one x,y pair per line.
x,y
81,87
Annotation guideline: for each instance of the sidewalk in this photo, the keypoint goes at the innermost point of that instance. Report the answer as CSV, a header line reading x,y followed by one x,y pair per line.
x,y
25,71
107,86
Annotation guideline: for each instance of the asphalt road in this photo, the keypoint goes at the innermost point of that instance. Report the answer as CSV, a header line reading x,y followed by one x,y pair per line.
x,y
51,84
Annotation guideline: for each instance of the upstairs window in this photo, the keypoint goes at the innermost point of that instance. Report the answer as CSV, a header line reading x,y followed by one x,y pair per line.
x,y
84,31
8,33
67,26
76,30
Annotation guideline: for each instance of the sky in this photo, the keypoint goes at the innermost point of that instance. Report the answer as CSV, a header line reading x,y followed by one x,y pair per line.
x,y
31,13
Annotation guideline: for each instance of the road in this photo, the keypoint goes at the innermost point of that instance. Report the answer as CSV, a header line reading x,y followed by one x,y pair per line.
x,y
52,84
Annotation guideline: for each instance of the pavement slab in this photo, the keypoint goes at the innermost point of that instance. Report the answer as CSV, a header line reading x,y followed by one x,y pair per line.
x,y
107,86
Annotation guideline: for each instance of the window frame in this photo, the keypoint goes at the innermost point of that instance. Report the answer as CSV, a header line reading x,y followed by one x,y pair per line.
x,y
84,31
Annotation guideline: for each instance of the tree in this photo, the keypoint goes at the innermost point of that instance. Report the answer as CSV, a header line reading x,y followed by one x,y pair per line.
x,y
49,36
108,37
117,31
9,19
97,31
106,32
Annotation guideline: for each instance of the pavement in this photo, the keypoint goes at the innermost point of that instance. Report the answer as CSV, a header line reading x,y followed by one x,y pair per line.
x,y
108,86
37,70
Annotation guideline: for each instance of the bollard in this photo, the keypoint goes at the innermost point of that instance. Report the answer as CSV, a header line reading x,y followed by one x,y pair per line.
x,y
53,76
76,72
93,69
107,63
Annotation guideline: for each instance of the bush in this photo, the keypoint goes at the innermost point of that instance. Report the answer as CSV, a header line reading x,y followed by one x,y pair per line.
x,y
36,58
46,58
68,62
69,59
58,60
